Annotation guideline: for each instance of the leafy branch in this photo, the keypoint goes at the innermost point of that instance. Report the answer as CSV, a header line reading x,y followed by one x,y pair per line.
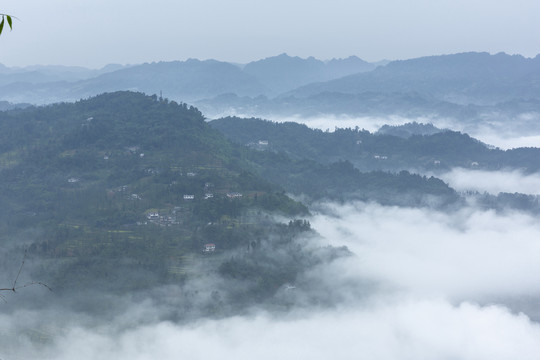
x,y
14,286
9,19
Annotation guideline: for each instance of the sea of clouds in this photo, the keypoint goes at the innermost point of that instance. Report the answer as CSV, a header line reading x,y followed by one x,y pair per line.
x,y
421,284
492,182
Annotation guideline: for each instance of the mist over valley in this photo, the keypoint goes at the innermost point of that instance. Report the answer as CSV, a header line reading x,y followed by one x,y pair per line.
x,y
284,208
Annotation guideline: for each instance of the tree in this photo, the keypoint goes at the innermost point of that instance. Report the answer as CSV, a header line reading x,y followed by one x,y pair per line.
x,y
9,19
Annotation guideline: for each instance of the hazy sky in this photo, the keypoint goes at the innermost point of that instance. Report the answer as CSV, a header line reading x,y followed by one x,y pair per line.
x,y
93,33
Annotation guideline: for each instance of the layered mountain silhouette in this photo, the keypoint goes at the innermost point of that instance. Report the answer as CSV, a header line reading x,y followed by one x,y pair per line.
x,y
178,80
282,73
477,78
449,85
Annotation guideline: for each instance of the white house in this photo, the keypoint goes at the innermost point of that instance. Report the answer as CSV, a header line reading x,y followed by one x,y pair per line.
x,y
209,248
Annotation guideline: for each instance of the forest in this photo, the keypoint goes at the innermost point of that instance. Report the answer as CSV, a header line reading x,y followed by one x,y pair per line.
x,y
123,192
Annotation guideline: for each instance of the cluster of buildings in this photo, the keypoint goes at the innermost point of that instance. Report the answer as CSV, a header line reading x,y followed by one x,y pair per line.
x,y
162,220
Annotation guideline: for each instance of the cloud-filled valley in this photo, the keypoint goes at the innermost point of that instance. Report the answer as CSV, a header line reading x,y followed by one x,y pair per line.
x,y
168,239
466,255
421,284
408,329
493,182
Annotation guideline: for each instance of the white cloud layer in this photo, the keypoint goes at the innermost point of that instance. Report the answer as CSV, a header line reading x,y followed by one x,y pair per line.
x,y
443,286
499,134
369,123
409,329
466,255
492,182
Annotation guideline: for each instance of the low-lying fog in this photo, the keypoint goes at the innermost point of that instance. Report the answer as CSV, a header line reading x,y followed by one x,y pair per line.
x,y
422,284
502,132
492,182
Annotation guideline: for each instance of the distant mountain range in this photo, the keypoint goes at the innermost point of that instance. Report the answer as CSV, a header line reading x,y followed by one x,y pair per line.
x,y
467,86
282,73
477,78
185,81
43,73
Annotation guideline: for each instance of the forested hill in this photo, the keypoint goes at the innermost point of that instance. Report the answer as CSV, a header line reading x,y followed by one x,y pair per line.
x,y
126,191
368,151
157,149
111,120
117,191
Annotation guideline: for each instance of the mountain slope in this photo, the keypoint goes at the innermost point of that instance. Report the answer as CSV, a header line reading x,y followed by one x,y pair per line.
x,y
478,78
183,80
180,80
116,191
435,152
282,73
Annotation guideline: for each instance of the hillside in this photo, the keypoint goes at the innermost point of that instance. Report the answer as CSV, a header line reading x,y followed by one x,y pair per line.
x,y
367,151
410,104
123,192
350,164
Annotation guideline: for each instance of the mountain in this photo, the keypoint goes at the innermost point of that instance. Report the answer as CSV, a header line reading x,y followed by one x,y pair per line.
x,y
282,73
47,74
188,80
424,149
473,89
127,192
408,130
183,80
476,78
6,105
468,87
410,104
116,191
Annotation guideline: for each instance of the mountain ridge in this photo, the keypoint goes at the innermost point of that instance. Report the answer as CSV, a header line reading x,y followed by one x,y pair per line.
x,y
187,80
461,78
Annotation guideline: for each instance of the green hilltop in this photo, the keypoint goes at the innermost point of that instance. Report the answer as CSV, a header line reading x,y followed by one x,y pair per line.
x,y
124,192
125,189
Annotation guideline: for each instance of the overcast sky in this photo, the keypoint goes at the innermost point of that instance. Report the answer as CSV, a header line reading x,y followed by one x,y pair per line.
x,y
93,33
